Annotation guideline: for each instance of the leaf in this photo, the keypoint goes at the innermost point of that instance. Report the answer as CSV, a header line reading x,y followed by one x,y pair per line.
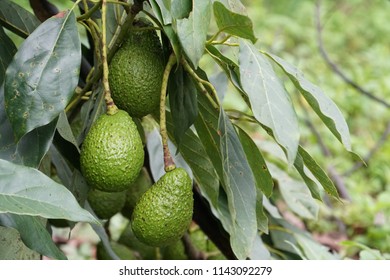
x,y
12,248
162,9
233,5
311,250
239,185
183,102
269,100
17,19
257,163
173,39
192,31
259,251
64,129
31,148
181,8
318,173
262,219
233,23
295,194
27,191
7,51
41,78
32,229
325,108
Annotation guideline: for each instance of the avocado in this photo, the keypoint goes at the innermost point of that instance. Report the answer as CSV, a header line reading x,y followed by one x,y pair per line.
x,y
136,71
112,153
164,212
106,204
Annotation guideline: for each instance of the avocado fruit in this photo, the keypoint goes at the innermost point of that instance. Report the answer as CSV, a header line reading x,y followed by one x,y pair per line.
x,y
112,153
136,71
164,212
106,204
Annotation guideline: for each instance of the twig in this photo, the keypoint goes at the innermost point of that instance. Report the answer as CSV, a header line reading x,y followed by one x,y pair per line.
x,y
336,68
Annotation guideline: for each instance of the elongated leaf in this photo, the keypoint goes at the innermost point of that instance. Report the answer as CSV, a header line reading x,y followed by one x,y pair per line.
x,y
262,219
17,19
173,39
27,191
183,102
259,251
257,163
7,51
233,23
240,189
41,78
312,250
12,248
192,31
32,229
269,100
295,194
320,174
325,108
307,176
162,8
64,129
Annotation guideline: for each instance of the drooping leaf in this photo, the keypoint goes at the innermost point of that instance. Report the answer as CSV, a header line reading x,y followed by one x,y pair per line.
x,y
295,194
262,219
257,163
32,229
259,251
233,23
220,82
41,78
162,9
12,247
17,19
192,31
325,108
183,102
7,51
320,174
64,129
240,187
270,103
27,191
309,249
173,39
181,8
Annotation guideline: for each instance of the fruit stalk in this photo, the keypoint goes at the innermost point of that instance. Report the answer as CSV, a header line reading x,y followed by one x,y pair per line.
x,y
168,160
111,107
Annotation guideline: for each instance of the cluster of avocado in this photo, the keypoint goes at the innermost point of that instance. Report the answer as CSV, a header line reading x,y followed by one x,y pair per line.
x,y
112,154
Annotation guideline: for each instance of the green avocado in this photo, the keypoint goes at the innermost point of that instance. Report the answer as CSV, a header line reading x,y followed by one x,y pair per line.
x,y
136,71
135,191
112,154
106,204
164,212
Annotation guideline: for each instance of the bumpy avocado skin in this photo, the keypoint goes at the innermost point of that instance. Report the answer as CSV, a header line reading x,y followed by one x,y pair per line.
x,y
136,72
164,212
112,154
106,204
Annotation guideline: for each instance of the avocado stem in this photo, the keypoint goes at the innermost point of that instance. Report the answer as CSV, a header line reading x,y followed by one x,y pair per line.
x,y
169,164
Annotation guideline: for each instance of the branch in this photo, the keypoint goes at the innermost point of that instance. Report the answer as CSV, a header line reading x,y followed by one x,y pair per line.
x,y
336,69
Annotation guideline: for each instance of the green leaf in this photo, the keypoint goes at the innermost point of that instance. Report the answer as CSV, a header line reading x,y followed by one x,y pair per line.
x,y
183,102
7,51
270,103
162,9
233,5
318,173
12,247
173,39
17,19
27,191
262,219
192,31
31,148
257,163
41,78
259,251
239,185
32,229
325,108
295,194
233,23
309,249
181,8
64,129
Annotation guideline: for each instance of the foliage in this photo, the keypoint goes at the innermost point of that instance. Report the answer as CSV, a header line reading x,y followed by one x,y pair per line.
x,y
53,90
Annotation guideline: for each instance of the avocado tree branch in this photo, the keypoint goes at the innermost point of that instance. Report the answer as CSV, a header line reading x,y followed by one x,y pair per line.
x,y
111,107
168,160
